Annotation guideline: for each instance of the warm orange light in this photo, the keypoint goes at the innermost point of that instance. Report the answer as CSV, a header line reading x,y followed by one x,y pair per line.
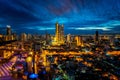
x,y
31,53
29,59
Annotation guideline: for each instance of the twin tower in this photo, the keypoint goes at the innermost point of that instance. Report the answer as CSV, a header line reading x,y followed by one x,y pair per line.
x,y
59,35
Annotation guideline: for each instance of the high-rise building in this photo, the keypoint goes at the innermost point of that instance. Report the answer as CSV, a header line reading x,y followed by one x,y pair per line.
x,y
96,37
23,37
79,41
68,38
8,30
59,35
29,36
62,34
9,36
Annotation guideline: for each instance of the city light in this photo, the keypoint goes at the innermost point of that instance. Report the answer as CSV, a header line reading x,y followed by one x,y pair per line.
x,y
29,59
60,40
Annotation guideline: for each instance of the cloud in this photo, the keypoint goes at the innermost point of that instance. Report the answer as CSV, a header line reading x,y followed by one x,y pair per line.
x,y
92,28
111,23
40,28
40,15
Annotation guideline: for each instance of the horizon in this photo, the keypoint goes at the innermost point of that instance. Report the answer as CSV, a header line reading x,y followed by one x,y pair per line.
x,y
44,32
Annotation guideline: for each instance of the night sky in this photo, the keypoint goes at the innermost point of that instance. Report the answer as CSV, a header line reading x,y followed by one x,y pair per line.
x,y
78,16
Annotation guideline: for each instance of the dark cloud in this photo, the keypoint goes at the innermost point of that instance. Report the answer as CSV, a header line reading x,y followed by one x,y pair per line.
x,y
42,14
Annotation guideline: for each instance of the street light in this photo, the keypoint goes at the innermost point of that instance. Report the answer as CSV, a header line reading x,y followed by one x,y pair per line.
x,y
29,63
29,59
31,53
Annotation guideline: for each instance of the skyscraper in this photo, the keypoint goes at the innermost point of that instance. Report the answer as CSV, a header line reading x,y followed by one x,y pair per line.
x,y
59,34
23,37
96,37
8,30
68,38
62,33
78,40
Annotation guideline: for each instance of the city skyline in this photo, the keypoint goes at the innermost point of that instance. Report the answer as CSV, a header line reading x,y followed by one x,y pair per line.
x,y
59,39
78,17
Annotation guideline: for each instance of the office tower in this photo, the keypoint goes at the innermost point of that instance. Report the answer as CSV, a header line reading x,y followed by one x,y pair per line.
x,y
48,38
96,37
8,30
58,32
23,37
29,36
68,38
9,36
59,35
62,33
78,40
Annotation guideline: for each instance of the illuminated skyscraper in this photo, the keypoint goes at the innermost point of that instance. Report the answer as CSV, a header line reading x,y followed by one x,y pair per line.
x,y
8,30
59,35
79,41
68,38
9,35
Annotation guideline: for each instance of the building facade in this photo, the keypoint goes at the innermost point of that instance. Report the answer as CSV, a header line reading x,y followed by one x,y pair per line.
x,y
59,35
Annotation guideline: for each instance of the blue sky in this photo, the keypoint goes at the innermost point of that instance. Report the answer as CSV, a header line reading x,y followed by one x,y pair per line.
x,y
78,16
